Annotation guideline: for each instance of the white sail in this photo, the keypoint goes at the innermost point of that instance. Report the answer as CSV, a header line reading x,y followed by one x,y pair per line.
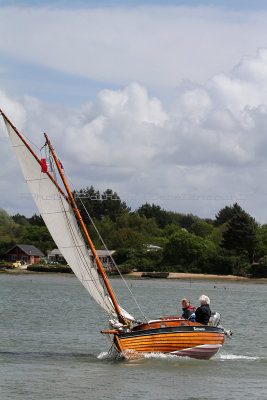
x,y
59,218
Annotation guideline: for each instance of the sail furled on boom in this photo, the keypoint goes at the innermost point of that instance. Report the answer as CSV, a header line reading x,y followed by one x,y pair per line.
x,y
60,220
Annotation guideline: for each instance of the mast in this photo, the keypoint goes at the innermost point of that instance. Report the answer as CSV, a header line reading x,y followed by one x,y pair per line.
x,y
82,225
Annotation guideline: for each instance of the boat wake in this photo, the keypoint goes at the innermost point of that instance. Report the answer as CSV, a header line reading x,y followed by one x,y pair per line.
x,y
157,356
234,357
217,357
110,355
161,356
107,355
104,355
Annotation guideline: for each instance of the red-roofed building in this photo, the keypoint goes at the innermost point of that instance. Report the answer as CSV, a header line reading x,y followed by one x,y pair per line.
x,y
24,252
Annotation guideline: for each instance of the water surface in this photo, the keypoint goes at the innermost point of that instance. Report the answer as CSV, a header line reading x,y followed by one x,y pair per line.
x,y
51,347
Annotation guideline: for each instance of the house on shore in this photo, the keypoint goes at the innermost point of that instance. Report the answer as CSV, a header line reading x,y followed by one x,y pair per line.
x,y
103,255
27,253
55,256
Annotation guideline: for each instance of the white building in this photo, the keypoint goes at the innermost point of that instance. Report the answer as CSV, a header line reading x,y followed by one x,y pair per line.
x,y
103,255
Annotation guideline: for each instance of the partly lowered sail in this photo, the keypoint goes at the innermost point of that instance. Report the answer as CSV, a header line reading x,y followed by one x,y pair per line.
x,y
59,218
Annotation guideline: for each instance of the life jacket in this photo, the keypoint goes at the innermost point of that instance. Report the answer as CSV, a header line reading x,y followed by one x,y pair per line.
x,y
193,315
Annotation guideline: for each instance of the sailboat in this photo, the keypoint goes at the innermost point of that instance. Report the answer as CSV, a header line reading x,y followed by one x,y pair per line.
x,y
129,337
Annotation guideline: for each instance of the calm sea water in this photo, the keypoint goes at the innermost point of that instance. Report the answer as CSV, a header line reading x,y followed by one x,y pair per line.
x,y
51,348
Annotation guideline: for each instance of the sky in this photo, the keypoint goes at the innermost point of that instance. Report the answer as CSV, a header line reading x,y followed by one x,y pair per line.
x,y
162,101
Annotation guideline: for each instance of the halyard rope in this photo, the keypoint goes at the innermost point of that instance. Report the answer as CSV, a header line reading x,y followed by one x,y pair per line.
x,y
112,259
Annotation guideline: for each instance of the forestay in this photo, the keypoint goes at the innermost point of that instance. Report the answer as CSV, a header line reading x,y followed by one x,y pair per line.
x,y
59,218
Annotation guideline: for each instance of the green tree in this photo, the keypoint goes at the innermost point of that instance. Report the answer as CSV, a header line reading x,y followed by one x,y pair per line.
x,y
36,220
187,220
88,200
201,228
137,227
141,224
259,270
241,235
185,248
219,263
99,205
126,238
20,219
261,246
161,216
217,234
227,213
9,229
169,230
39,236
141,259
4,247
112,205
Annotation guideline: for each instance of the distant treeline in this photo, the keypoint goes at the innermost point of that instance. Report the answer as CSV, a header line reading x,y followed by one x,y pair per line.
x,y
151,238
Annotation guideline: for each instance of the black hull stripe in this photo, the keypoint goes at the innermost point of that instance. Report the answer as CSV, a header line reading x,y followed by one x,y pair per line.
x,y
172,329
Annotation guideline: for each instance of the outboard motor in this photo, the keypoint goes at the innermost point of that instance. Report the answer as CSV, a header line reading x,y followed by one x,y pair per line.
x,y
228,333
215,319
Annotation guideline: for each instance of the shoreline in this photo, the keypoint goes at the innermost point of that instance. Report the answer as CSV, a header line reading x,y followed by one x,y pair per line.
x,y
183,275
138,275
210,277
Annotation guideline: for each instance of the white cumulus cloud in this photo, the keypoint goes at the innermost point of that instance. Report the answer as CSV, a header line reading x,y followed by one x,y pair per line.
x,y
209,143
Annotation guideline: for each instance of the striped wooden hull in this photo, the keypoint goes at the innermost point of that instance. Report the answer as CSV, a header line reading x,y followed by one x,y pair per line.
x,y
191,340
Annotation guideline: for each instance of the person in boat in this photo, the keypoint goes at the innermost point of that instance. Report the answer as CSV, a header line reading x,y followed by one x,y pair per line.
x,y
188,310
203,312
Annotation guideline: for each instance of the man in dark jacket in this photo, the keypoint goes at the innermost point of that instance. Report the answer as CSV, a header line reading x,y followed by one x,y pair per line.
x,y
188,310
203,312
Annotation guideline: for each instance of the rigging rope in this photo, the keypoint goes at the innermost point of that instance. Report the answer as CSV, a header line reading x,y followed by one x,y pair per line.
x,y
112,259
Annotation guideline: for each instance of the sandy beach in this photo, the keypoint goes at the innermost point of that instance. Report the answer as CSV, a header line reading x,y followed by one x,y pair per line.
x,y
176,275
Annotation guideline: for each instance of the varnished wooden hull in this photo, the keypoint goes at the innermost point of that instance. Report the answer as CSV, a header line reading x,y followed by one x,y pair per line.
x,y
182,339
